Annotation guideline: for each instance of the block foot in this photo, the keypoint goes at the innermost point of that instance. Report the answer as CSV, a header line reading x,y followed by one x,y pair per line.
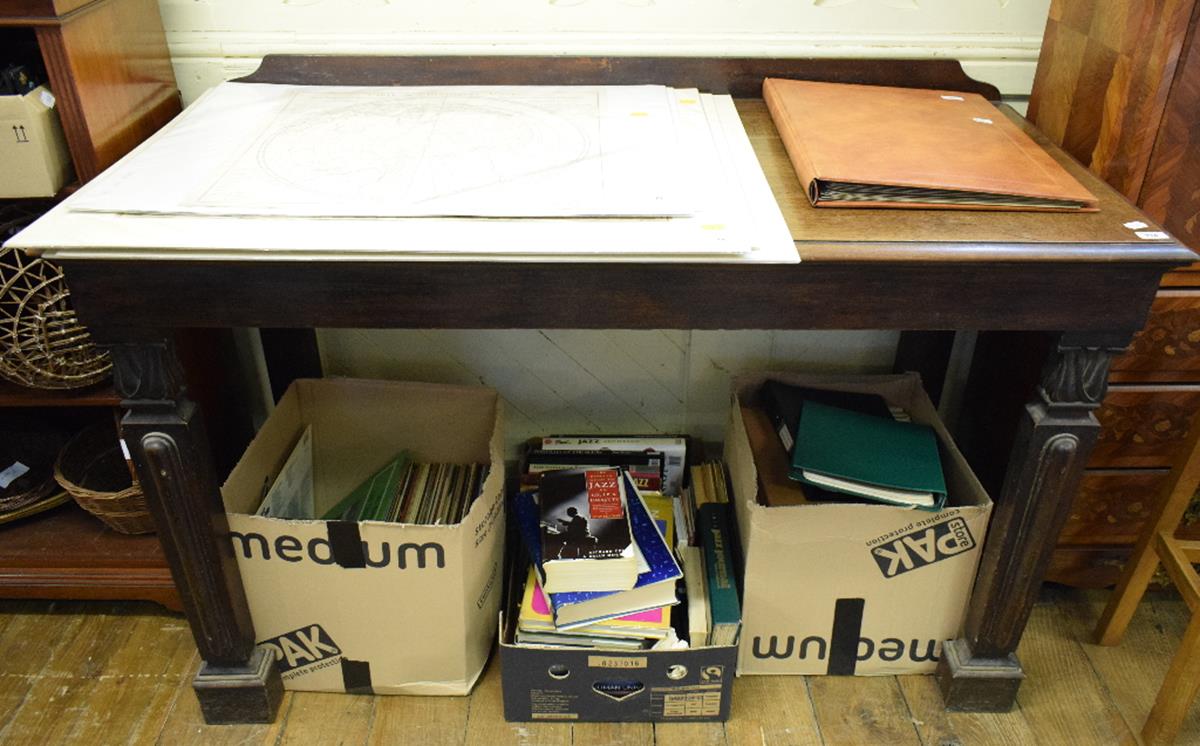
x,y
240,694
971,684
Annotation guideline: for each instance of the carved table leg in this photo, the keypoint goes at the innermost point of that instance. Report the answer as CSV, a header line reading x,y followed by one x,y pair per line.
x,y
980,671
165,434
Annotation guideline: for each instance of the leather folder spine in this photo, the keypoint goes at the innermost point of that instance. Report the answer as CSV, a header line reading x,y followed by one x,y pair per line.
x,y
786,123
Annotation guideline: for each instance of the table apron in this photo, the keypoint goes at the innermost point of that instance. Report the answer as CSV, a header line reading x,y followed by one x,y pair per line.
x,y
116,295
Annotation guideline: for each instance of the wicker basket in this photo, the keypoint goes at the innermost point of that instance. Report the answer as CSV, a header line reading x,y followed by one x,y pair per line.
x,y
42,345
93,470
34,443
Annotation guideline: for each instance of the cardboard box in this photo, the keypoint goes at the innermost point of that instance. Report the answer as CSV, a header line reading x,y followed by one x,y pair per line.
x,y
373,607
660,686
34,160
853,588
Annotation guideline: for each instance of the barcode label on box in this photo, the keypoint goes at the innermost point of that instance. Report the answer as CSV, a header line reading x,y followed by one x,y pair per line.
x,y
549,704
691,704
614,661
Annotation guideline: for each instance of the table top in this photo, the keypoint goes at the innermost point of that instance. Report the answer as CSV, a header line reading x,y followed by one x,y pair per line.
x,y
860,268
820,234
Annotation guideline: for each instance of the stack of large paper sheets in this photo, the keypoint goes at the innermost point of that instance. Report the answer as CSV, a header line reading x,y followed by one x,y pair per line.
x,y
620,173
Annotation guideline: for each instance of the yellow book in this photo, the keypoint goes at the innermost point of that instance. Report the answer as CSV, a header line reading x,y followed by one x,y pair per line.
x,y
662,509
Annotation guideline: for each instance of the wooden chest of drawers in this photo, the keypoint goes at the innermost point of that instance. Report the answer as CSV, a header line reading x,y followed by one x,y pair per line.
x,y
1118,86
1154,394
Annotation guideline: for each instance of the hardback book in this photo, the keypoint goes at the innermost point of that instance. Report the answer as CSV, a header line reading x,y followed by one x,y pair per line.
x,y
672,447
654,588
715,529
698,615
871,457
568,640
587,544
536,615
782,402
877,146
646,468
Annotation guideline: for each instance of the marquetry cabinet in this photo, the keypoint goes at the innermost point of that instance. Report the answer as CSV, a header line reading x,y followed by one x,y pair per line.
x,y
108,67
1118,86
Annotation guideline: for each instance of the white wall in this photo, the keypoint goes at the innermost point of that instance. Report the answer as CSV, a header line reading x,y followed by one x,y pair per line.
x,y
997,40
570,380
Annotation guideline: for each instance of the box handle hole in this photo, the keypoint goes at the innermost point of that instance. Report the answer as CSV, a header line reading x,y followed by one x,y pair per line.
x,y
558,671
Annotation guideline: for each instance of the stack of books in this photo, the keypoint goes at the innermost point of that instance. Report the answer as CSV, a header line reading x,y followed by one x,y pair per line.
x,y
714,609
816,445
615,566
402,491
596,544
408,491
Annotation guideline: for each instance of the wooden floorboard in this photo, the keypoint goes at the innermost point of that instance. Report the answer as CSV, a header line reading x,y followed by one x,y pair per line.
x,y
318,718
687,734
862,709
1063,699
121,673
432,721
772,711
1133,671
936,727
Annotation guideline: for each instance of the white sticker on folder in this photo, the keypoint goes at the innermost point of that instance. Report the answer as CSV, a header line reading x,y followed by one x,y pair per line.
x,y
1151,235
982,120
1136,225
48,99
953,98
12,474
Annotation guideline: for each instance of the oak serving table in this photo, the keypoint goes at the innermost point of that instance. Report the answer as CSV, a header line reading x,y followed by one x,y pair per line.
x,y
1054,296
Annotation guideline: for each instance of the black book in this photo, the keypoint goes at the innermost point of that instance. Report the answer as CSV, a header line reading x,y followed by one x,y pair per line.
x,y
644,467
587,544
783,402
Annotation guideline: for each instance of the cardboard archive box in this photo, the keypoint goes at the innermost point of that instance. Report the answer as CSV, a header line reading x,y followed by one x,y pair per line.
x,y
373,607
846,587
34,161
661,686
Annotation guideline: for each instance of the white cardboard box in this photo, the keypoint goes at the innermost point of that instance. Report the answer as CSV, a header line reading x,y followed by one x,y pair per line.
x,y
858,588
34,161
373,607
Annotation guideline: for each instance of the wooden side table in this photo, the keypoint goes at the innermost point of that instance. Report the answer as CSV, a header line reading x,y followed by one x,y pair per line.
x,y
1078,285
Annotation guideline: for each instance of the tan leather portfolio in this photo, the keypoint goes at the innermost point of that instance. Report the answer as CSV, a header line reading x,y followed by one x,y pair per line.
x,y
873,146
770,461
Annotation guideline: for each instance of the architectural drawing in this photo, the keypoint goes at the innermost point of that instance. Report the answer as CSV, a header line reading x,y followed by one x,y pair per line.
x,y
610,173
473,152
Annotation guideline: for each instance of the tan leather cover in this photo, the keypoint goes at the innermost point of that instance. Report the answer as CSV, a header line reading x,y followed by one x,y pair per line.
x,y
913,139
771,461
